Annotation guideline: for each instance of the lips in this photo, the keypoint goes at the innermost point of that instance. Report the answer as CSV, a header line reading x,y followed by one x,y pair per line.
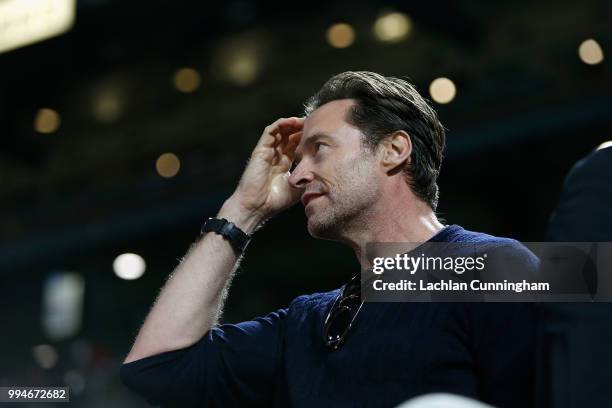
x,y
307,197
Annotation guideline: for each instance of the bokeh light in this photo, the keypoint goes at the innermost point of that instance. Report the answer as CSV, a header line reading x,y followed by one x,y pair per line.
x,y
340,35
62,305
442,90
46,120
45,356
168,165
240,59
129,266
108,105
243,67
590,52
392,27
186,80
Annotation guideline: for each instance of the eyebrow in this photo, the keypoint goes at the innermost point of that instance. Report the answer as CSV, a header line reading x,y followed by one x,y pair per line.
x,y
310,140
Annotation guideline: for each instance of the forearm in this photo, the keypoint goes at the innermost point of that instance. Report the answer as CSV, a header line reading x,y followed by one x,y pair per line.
x,y
191,299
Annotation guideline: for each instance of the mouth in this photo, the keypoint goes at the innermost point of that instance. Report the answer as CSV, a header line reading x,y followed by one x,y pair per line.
x,y
308,197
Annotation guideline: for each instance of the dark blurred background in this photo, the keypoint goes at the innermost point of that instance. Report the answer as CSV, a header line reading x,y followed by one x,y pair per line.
x,y
123,133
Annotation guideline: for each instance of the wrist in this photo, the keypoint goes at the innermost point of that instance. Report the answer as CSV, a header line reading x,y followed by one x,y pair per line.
x,y
246,220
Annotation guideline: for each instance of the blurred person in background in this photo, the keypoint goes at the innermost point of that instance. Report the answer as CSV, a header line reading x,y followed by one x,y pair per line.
x,y
576,337
364,161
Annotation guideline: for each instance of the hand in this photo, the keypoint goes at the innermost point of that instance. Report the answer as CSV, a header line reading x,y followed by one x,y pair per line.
x,y
264,188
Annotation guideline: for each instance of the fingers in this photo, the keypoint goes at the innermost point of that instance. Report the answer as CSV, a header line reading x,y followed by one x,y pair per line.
x,y
282,127
291,126
292,143
284,151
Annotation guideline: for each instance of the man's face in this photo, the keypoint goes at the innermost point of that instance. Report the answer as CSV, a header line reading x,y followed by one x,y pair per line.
x,y
339,177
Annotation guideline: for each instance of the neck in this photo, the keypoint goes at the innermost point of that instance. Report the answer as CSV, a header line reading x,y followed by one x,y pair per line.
x,y
400,218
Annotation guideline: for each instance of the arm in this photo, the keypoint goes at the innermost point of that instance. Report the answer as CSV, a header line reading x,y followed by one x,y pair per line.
x,y
190,302
232,365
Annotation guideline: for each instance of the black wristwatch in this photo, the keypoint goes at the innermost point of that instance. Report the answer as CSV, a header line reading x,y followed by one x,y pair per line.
x,y
236,237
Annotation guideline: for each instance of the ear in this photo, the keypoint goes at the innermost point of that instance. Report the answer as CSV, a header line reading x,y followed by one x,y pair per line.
x,y
396,150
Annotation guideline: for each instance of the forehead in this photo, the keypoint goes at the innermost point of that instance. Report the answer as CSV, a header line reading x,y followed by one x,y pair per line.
x,y
329,119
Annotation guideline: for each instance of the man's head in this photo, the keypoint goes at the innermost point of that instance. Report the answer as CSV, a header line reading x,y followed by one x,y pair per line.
x,y
348,120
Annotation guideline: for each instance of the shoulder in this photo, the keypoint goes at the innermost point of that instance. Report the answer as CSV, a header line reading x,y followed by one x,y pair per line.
x,y
313,301
306,312
507,248
459,234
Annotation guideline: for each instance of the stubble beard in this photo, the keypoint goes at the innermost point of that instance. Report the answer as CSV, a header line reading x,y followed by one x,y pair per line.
x,y
348,203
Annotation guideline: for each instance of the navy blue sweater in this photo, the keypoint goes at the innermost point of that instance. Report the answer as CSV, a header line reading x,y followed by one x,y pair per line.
x,y
394,351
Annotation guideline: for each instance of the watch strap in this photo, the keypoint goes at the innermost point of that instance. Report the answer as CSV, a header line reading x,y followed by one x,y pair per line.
x,y
236,237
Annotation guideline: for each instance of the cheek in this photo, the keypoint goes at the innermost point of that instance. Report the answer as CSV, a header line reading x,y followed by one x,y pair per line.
x,y
330,169
354,173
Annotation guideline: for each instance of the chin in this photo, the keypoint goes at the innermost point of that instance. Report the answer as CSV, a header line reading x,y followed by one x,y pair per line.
x,y
322,230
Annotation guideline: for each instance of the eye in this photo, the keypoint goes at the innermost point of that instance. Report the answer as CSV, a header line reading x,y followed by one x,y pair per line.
x,y
317,146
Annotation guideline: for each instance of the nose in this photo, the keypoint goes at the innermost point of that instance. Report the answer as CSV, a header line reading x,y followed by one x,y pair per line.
x,y
301,175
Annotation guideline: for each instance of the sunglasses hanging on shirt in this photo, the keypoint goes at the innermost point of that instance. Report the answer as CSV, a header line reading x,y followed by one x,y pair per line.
x,y
342,314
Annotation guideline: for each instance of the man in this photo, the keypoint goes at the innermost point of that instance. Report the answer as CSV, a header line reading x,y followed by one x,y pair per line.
x,y
366,159
575,337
